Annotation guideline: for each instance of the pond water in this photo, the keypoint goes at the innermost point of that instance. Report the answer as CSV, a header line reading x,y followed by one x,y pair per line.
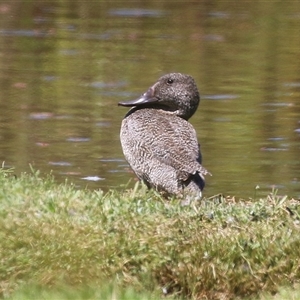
x,y
64,66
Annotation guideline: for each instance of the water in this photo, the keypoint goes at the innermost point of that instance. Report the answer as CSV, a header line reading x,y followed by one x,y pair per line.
x,y
65,65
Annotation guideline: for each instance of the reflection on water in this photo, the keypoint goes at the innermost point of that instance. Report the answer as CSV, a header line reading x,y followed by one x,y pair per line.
x,y
65,66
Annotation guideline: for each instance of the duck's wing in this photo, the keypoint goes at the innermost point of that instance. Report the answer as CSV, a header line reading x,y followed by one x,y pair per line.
x,y
161,136
179,148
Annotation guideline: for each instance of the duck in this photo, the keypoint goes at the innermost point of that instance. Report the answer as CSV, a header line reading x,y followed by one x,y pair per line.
x,y
159,143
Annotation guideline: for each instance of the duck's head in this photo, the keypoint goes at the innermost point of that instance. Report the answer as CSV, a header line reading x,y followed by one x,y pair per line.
x,y
174,92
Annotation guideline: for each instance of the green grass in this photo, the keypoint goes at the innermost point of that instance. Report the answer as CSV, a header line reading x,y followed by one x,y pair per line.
x,y
57,242
107,292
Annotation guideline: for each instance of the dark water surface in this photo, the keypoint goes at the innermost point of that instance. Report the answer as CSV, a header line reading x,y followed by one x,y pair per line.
x,y
64,66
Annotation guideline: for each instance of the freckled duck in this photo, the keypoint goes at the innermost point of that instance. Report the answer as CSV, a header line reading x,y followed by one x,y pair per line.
x,y
159,143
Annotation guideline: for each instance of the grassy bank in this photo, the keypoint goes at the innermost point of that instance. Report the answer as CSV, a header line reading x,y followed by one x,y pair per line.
x,y
65,243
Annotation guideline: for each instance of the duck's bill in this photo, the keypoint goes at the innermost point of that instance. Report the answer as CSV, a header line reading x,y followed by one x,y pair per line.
x,y
146,98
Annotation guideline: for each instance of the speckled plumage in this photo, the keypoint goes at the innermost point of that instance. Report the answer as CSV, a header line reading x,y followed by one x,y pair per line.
x,y
159,143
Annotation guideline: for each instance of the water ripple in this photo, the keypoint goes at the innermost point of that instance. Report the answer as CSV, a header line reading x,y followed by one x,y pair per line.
x,y
60,163
136,12
292,84
93,178
272,149
277,104
41,115
78,139
23,32
220,97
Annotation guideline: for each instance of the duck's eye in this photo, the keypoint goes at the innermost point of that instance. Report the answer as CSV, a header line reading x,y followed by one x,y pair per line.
x,y
170,81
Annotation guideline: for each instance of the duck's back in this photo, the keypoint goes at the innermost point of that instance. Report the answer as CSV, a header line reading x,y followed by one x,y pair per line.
x,y
162,149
